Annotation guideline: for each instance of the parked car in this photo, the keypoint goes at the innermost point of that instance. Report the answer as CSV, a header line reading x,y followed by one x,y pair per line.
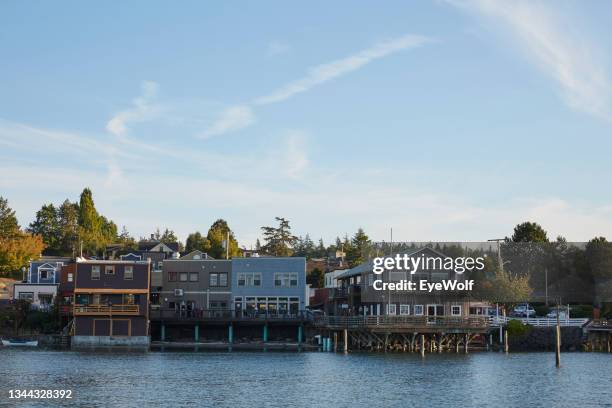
x,y
523,310
562,314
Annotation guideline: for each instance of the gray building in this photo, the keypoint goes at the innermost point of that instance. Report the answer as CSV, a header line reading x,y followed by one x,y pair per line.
x,y
195,287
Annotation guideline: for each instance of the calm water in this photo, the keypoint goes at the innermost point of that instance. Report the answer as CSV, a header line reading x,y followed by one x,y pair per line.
x,y
242,379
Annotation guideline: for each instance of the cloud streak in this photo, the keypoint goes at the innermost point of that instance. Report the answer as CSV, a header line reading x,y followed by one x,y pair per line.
x,y
567,58
241,116
141,110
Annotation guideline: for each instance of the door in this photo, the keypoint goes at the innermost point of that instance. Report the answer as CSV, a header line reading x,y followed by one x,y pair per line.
x,y
434,311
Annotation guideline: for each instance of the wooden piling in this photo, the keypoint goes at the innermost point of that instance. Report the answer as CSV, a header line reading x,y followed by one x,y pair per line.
x,y
422,345
506,340
346,346
558,345
335,342
467,342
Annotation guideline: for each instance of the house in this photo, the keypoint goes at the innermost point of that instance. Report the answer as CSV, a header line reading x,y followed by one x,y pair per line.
x,y
355,294
196,255
269,286
195,287
111,303
42,280
331,278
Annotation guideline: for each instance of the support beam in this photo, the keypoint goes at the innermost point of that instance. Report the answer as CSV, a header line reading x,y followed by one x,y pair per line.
x,y
265,333
300,334
196,333
422,345
230,334
163,332
346,342
506,341
467,342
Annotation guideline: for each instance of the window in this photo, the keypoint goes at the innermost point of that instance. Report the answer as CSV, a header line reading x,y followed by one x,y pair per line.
x,y
95,272
29,296
391,309
44,273
219,279
285,280
129,299
404,309
455,310
194,277
223,279
70,277
213,280
183,277
128,272
109,270
160,265
172,276
418,310
249,279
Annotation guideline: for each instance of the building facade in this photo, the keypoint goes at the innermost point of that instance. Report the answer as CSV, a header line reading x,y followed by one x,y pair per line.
x,y
196,287
111,303
269,286
41,282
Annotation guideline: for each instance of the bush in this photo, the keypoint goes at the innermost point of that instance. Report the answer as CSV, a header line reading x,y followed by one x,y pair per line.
x,y
581,311
541,310
517,328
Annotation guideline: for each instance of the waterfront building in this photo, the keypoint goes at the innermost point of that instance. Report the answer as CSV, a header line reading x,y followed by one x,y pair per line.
x,y
195,287
41,281
355,294
264,286
331,278
111,303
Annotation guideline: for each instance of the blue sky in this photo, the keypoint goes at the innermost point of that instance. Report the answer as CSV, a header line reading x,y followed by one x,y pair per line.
x,y
446,120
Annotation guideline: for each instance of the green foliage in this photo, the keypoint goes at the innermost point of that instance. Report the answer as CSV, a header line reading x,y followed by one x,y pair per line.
x,y
278,240
8,220
196,241
529,232
581,311
505,287
359,248
316,278
517,328
48,227
217,236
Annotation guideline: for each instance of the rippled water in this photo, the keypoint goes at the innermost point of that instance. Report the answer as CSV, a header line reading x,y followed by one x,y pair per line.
x,y
310,379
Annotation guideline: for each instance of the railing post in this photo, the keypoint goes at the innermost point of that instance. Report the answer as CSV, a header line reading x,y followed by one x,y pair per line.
x,y
163,332
265,333
197,333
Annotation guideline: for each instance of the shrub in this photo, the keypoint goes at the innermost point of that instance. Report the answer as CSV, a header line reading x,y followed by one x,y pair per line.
x,y
517,328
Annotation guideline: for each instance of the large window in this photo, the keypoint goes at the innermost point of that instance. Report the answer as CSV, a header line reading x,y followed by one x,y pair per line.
x,y
183,277
249,279
404,309
95,272
109,270
29,296
45,273
285,280
128,272
172,276
217,279
391,309
194,277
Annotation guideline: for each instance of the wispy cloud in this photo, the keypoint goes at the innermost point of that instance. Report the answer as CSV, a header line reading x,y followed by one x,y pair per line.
x,y
141,110
242,116
231,119
326,72
570,59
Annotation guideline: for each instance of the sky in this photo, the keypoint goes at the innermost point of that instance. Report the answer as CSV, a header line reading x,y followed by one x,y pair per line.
x,y
444,120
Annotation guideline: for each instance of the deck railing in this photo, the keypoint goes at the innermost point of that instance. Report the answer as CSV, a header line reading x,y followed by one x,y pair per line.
x,y
539,321
401,322
223,314
95,310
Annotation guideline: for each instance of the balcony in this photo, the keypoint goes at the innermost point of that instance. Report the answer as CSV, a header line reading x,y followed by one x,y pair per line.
x,y
106,310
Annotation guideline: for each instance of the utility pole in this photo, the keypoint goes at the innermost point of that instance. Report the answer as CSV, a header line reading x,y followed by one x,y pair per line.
x,y
227,246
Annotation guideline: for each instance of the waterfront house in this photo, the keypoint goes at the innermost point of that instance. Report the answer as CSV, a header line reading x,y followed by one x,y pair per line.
x,y
111,303
269,286
41,282
355,294
195,287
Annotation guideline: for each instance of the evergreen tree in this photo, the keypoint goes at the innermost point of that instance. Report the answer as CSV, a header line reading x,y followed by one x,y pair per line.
x,y
359,248
320,250
126,240
529,232
68,219
316,278
278,240
8,220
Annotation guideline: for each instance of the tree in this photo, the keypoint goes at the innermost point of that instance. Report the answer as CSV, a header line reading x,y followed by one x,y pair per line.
x,y
195,241
529,232
359,248
320,251
217,236
126,240
505,287
68,219
48,227
316,278
278,240
8,220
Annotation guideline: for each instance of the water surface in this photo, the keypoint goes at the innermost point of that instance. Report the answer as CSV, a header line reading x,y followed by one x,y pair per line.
x,y
243,379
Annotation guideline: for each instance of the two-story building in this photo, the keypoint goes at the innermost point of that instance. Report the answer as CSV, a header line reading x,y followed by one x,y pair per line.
x,y
269,286
41,282
196,287
111,303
